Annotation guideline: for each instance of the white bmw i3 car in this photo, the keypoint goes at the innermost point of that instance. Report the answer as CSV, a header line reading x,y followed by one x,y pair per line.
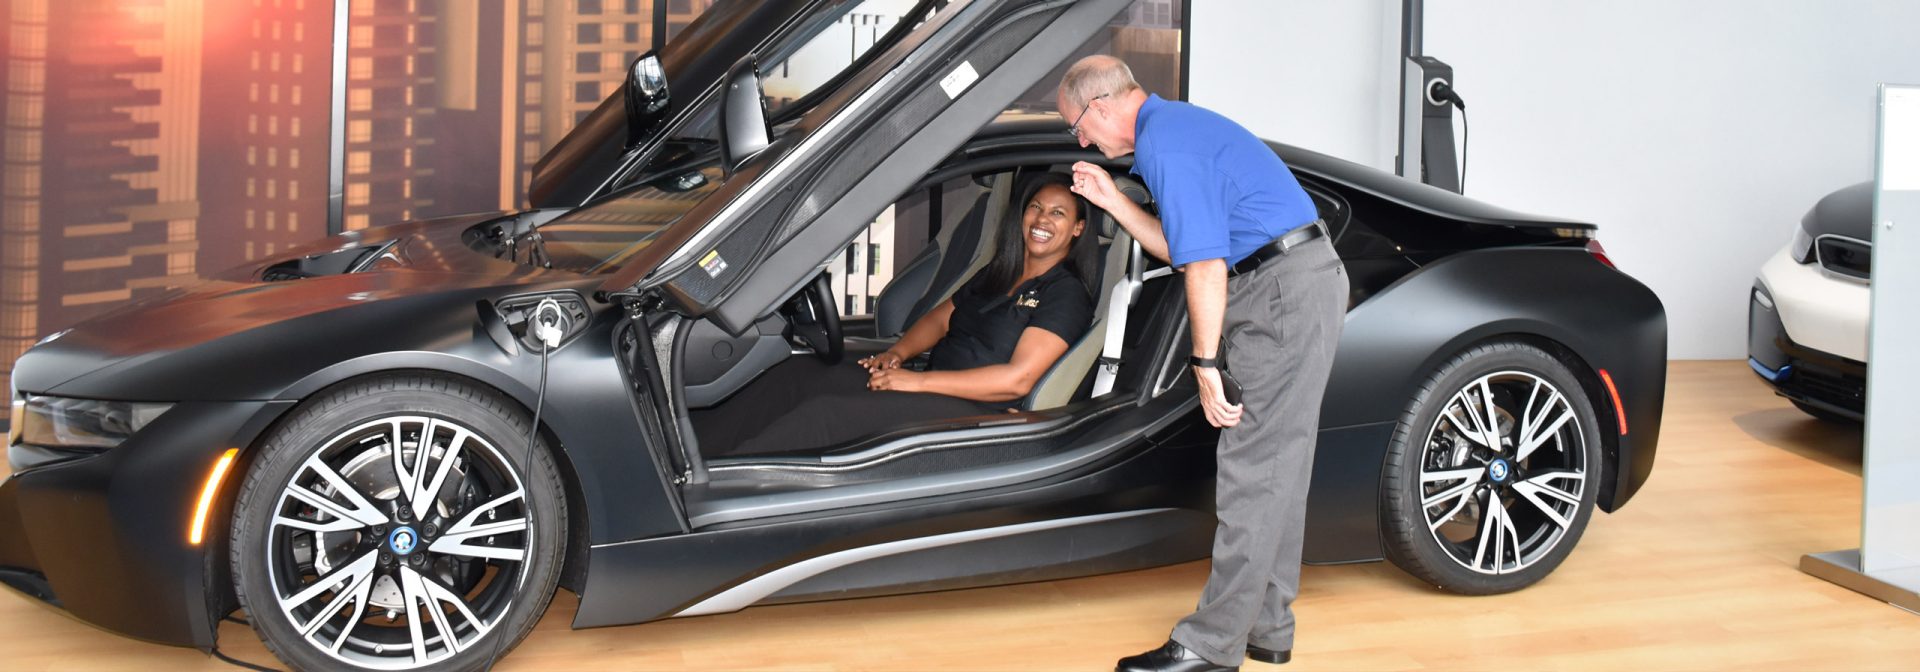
x,y
1807,314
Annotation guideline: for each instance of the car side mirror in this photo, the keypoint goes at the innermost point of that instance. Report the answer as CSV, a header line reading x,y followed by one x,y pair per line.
x,y
743,114
647,97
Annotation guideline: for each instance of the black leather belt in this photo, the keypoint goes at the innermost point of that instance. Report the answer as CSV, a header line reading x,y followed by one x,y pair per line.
x,y
1291,239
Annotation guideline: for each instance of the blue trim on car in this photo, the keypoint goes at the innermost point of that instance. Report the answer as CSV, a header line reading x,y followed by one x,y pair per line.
x,y
1771,375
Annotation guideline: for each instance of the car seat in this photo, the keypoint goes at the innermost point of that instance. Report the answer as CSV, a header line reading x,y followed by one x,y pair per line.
x,y
959,250
1067,381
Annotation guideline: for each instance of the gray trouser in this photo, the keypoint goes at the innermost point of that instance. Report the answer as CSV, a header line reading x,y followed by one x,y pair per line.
x,y
1282,324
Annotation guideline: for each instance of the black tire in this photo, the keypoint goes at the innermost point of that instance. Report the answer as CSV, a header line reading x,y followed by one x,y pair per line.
x,y
1434,507
421,569
1823,414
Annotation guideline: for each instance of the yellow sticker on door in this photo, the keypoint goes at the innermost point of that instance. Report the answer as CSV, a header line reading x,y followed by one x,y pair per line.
x,y
713,264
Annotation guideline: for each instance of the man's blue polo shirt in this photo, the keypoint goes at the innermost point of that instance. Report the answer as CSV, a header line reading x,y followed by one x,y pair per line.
x,y
1222,193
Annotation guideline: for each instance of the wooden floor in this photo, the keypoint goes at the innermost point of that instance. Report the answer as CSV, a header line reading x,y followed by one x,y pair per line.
x,y
1698,572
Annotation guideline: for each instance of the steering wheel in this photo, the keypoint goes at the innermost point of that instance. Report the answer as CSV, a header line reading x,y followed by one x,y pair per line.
x,y
814,318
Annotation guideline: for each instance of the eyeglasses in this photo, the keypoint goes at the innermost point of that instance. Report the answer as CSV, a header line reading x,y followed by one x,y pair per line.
x,y
1074,130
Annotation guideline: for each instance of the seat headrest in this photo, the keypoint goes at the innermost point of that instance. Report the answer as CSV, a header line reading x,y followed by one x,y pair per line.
x,y
1104,223
1133,190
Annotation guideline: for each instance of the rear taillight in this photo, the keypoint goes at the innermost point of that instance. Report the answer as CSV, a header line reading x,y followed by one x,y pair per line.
x,y
1598,252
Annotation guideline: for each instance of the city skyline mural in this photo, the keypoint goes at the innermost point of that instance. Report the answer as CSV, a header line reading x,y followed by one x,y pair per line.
x,y
151,144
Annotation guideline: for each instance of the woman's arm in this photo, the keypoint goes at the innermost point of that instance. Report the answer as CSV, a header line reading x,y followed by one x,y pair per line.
x,y
1036,352
924,333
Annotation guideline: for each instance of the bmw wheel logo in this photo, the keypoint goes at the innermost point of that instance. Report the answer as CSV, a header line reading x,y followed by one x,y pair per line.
x,y
403,540
1498,471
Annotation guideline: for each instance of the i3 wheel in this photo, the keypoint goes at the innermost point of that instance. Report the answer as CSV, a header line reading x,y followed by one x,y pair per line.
x,y
1492,472
398,523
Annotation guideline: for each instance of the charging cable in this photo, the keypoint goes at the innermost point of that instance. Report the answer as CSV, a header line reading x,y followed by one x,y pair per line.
x,y
1440,92
548,325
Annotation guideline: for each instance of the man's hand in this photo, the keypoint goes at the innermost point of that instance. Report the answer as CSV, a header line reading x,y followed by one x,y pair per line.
x,y
1093,183
1214,400
1096,185
896,380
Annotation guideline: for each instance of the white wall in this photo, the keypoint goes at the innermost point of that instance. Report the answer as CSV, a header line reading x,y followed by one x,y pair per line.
x,y
1694,133
1315,74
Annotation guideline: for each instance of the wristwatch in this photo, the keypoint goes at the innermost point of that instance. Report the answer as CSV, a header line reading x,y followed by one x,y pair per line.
x,y
1204,362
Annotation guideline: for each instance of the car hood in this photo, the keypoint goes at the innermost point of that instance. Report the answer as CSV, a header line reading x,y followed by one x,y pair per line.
x,y
164,348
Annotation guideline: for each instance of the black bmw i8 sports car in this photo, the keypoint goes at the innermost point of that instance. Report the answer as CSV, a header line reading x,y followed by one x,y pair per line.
x,y
389,448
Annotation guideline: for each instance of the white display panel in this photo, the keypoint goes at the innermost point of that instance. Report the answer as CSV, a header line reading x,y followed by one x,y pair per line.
x,y
1890,535
1887,564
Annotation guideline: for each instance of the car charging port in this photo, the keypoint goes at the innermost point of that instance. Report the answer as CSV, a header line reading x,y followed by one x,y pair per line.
x,y
536,322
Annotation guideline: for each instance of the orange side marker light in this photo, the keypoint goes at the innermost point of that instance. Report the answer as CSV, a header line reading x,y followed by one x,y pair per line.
x,y
199,530
1619,410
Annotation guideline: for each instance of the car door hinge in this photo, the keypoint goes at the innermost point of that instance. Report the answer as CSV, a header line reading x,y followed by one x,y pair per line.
x,y
638,305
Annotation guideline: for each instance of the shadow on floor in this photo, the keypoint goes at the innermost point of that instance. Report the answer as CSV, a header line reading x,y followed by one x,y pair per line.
x,y
1837,445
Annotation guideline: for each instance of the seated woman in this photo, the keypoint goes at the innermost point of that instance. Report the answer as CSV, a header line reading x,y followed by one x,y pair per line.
x,y
989,344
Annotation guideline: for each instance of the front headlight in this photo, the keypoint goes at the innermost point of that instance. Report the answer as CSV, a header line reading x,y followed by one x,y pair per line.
x,y
79,424
1802,246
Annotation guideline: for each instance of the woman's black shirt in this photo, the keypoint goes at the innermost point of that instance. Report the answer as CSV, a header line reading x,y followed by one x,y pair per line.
x,y
986,326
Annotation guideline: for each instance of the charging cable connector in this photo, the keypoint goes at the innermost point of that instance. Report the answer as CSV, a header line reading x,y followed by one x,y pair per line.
x,y
549,323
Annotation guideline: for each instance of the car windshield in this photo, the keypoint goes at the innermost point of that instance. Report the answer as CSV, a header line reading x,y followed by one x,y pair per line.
x,y
592,238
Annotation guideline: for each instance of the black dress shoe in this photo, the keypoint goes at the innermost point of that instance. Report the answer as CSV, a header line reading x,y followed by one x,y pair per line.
x,y
1276,657
1170,657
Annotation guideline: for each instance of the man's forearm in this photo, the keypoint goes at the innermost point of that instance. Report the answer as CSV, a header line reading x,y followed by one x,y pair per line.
x,y
1206,304
1144,227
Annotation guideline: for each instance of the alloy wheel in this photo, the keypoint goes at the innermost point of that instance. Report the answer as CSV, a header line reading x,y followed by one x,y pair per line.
x,y
399,543
1503,472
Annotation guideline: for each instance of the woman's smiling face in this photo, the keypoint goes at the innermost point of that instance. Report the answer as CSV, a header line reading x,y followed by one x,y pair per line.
x,y
1051,222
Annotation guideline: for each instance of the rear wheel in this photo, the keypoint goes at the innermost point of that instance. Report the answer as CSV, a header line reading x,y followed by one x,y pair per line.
x,y
1492,472
398,524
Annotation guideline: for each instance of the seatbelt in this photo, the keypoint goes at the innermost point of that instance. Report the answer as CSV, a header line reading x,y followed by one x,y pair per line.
x,y
1118,306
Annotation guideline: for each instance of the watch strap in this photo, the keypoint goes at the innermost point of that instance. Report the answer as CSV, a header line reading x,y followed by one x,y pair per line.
x,y
1204,362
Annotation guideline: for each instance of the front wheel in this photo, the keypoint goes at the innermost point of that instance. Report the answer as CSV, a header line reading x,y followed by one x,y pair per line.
x,y
398,523
1492,472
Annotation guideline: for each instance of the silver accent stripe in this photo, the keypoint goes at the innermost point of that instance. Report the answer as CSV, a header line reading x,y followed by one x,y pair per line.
x,y
760,587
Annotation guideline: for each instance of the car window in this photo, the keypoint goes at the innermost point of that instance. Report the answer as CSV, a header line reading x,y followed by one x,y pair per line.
x,y
828,48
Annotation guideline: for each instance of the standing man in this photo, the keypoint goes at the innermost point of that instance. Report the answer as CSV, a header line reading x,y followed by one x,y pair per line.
x,y
1260,270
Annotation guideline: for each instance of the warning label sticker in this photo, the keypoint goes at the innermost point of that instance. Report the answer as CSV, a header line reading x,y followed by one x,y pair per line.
x,y
713,264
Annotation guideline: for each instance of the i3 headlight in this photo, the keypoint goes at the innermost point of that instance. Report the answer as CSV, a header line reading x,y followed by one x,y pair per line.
x,y
49,429
1802,247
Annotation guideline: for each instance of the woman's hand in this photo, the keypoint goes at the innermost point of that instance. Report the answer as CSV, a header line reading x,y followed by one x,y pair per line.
x,y
896,380
1096,185
882,361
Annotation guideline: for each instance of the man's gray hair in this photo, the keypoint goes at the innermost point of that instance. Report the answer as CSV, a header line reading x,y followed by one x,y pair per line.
x,y
1095,76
